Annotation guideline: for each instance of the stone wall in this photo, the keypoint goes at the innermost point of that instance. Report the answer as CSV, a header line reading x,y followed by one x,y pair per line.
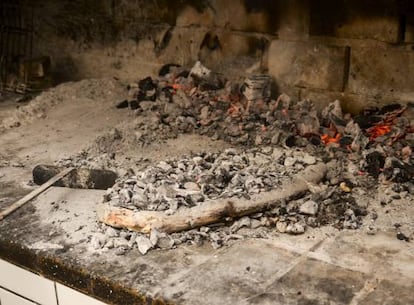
x,y
360,52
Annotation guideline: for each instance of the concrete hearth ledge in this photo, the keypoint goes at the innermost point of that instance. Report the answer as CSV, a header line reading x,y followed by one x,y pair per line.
x,y
323,266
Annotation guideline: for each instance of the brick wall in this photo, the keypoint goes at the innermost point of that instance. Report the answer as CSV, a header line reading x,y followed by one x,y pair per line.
x,y
359,52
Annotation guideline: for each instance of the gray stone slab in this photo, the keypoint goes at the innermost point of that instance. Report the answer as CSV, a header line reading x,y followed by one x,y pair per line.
x,y
313,282
391,293
232,276
381,255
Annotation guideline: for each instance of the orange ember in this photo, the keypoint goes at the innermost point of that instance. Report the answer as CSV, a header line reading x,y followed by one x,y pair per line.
x,y
326,139
234,110
176,86
377,131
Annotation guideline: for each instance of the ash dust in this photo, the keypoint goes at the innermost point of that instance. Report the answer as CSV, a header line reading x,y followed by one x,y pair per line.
x,y
77,124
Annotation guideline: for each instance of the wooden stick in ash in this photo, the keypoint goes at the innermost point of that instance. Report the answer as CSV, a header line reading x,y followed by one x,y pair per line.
x,y
210,211
35,193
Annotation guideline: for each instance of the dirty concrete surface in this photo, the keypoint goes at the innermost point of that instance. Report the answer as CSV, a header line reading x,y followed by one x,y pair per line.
x,y
321,266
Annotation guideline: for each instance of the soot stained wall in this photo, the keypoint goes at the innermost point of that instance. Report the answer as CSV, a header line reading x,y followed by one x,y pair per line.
x,y
317,49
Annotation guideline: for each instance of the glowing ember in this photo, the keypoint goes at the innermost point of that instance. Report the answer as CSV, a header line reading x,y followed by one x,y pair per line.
x,y
235,110
176,86
377,131
326,139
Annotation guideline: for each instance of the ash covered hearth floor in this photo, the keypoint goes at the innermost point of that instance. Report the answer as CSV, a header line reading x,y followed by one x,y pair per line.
x,y
58,235
322,266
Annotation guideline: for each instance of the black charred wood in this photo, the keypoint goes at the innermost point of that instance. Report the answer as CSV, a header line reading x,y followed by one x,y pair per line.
x,y
123,104
184,74
367,121
146,84
133,105
399,172
402,236
375,162
167,92
389,108
142,96
345,141
80,178
290,141
166,69
315,140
